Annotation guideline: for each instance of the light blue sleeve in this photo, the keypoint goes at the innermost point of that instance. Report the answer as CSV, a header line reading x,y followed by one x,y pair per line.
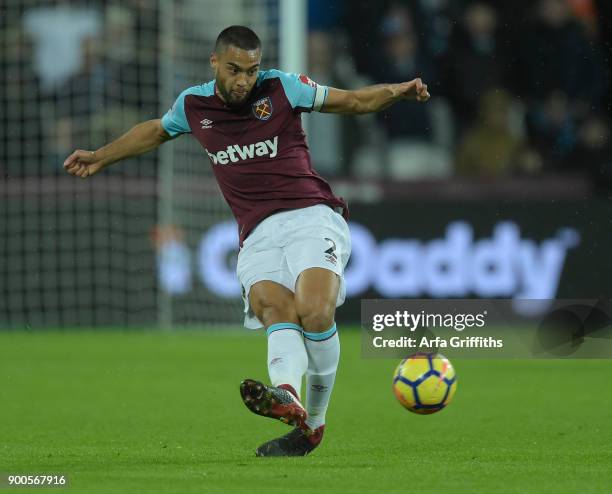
x,y
302,92
175,121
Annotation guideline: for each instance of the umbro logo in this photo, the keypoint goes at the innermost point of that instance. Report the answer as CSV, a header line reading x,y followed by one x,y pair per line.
x,y
206,124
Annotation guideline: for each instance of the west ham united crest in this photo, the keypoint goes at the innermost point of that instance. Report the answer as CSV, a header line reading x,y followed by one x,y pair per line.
x,y
262,108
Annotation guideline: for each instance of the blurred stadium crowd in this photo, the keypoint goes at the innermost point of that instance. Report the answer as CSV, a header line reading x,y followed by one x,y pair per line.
x,y
520,88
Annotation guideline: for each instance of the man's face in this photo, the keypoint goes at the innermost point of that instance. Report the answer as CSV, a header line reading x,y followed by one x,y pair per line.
x,y
236,73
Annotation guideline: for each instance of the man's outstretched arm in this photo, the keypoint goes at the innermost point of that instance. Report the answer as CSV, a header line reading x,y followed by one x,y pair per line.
x,y
139,139
373,98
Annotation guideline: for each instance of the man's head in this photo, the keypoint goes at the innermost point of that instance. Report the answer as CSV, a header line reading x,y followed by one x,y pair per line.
x,y
235,62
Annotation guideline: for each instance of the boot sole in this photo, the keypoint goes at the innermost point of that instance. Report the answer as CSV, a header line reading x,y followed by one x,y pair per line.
x,y
257,398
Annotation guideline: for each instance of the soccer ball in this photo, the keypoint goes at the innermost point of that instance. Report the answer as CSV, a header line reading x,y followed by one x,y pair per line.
x,y
425,383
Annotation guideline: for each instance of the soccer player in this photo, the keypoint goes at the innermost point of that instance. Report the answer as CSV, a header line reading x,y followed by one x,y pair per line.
x,y
294,240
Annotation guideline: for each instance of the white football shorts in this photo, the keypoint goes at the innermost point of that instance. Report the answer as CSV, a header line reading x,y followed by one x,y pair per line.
x,y
287,243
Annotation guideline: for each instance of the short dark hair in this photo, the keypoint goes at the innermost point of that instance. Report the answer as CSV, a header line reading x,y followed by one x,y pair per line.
x,y
239,36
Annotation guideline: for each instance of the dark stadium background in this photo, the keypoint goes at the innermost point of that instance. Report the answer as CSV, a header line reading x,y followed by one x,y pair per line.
x,y
518,130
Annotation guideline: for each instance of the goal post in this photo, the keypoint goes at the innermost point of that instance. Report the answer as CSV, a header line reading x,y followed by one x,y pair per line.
x,y
150,241
189,200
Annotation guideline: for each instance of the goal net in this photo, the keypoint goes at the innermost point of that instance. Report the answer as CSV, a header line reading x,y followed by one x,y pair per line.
x,y
148,241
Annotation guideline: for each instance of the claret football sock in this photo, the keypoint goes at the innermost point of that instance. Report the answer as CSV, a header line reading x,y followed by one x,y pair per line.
x,y
287,358
323,351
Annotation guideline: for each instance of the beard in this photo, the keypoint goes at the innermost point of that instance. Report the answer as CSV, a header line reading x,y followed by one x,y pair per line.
x,y
231,100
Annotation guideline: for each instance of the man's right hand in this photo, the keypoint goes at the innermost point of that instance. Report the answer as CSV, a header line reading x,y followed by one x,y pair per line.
x,y
83,163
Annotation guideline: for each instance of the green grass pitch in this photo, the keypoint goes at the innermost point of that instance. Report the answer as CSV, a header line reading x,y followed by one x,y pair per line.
x,y
151,411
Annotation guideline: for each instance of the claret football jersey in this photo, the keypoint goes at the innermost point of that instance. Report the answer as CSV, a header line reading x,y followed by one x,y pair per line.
x,y
258,151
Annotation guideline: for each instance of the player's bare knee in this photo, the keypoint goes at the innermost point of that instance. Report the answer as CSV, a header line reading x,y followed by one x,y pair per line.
x,y
315,299
317,318
270,311
272,303
274,313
